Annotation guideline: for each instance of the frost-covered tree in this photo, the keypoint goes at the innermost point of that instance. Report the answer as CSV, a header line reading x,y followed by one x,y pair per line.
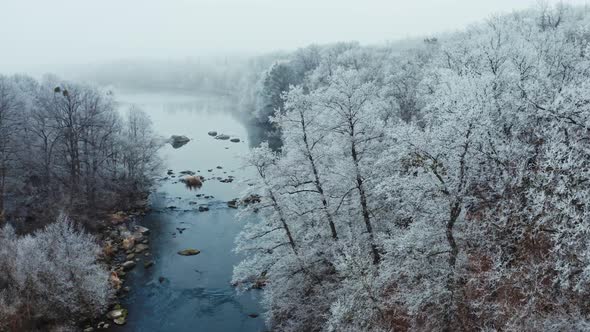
x,y
78,153
454,174
304,140
280,253
9,130
353,109
53,275
136,147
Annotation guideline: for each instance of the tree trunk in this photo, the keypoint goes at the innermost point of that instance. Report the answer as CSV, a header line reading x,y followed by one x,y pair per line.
x,y
317,181
283,221
451,311
363,196
455,210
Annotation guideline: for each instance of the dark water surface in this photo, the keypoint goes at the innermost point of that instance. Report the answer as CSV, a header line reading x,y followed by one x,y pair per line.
x,y
193,293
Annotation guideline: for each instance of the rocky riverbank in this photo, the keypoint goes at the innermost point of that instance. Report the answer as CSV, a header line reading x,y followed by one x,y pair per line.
x,y
126,239
125,245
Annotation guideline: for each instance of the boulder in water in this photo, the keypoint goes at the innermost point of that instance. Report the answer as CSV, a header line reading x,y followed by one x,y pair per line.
x,y
141,248
178,140
117,313
120,321
252,199
142,230
128,243
222,137
189,252
235,140
128,265
212,133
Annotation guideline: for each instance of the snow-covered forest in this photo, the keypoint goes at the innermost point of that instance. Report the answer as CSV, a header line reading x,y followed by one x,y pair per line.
x,y
67,160
64,145
430,184
441,187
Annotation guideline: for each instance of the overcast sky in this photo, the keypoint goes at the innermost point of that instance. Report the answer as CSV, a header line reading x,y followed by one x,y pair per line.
x,y
38,32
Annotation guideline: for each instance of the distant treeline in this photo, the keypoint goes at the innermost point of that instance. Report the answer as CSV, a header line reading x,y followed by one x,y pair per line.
x,y
221,75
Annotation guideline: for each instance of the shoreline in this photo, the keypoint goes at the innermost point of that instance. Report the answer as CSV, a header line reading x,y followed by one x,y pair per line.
x,y
125,245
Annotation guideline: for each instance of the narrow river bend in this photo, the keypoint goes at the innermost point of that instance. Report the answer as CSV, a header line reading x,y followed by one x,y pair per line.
x,y
180,293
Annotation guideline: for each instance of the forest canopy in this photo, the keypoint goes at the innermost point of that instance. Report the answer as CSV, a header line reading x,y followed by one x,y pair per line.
x,y
439,187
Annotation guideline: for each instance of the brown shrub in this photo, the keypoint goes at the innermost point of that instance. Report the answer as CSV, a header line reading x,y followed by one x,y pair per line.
x,y
193,182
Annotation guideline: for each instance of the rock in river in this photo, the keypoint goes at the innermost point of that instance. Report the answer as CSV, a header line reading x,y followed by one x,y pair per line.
x,y
212,133
142,230
222,137
120,321
235,140
233,204
128,243
189,252
128,265
178,140
117,313
141,247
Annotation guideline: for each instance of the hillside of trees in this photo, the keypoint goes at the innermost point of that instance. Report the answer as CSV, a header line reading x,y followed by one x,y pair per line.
x,y
444,187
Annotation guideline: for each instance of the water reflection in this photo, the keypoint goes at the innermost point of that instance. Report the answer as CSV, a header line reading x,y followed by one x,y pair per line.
x,y
259,132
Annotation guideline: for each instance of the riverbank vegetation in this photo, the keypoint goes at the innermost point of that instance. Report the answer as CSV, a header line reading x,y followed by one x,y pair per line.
x,y
66,154
66,147
442,187
52,277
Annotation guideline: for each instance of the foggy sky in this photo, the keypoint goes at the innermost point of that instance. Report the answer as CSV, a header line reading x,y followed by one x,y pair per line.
x,y
38,32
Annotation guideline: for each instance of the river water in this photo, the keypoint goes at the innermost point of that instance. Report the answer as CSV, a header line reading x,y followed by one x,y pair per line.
x,y
192,293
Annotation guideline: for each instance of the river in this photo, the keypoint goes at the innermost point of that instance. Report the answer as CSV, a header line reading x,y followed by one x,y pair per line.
x,y
192,293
